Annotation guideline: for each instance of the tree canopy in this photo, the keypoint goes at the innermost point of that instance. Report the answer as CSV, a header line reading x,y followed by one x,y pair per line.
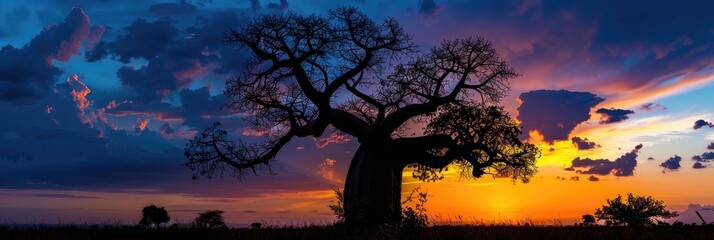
x,y
210,219
634,211
153,215
308,74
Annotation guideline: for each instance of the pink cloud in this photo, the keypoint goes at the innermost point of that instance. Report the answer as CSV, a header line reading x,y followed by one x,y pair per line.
x,y
95,34
69,47
141,124
335,137
327,170
79,96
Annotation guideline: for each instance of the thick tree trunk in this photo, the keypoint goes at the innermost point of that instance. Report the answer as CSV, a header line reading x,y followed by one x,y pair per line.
x,y
373,188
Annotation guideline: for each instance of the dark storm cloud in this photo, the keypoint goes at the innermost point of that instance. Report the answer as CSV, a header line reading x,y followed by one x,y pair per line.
x,y
622,166
54,149
593,178
182,7
177,55
672,163
96,53
143,39
583,144
28,73
198,109
554,113
710,146
613,115
701,123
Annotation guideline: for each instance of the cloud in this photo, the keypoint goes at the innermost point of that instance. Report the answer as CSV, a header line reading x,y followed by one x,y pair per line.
x,y
61,195
554,114
613,115
593,178
698,165
327,170
282,6
705,157
28,73
334,137
651,107
672,163
710,146
143,39
79,96
180,7
583,144
701,123
622,166
140,124
650,158
95,34
429,10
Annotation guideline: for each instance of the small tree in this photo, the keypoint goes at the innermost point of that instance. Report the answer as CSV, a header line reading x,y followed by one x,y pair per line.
x,y
636,211
338,208
415,217
210,219
588,220
154,215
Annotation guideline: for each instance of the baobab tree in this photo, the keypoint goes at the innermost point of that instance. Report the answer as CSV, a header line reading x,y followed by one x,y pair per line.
x,y
345,72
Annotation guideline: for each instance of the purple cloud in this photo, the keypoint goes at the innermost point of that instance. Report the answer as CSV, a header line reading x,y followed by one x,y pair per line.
x,y
28,73
622,166
701,123
583,144
554,113
651,107
672,163
613,115
698,165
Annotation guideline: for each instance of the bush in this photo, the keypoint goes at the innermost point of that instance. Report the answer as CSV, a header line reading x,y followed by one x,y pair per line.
x,y
210,219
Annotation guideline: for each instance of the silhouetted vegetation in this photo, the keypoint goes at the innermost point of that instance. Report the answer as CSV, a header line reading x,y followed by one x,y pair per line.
x,y
210,219
635,211
153,215
588,220
300,64
341,232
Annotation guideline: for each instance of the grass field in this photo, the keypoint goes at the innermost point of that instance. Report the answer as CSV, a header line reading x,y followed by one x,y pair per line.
x,y
325,232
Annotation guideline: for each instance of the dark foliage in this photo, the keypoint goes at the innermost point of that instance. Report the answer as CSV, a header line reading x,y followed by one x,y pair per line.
x,y
635,211
153,215
210,219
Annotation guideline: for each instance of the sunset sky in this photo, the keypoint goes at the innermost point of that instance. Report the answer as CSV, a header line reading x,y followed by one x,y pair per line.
x,y
99,97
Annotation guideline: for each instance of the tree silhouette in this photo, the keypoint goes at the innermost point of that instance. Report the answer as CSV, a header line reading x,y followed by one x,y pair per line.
x,y
344,72
153,215
588,220
636,211
210,219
